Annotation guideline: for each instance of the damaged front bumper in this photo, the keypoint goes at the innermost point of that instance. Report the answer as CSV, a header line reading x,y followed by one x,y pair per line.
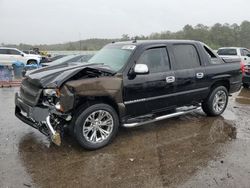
x,y
36,117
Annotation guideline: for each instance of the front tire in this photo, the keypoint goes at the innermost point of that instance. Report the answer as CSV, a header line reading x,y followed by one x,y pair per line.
x,y
96,126
216,102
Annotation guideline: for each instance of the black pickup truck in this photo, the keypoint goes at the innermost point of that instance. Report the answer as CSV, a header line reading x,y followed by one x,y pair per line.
x,y
126,84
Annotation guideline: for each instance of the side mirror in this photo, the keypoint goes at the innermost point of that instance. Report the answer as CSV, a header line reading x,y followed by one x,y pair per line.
x,y
141,69
248,55
21,54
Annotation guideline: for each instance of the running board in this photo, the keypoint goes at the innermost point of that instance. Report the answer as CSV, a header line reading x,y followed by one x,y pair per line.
x,y
175,114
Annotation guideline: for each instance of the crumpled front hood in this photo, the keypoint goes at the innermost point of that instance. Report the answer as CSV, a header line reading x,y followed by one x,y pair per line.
x,y
55,76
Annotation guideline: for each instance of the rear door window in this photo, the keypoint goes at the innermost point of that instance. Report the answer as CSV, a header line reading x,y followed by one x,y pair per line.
x,y
156,59
4,51
14,52
186,56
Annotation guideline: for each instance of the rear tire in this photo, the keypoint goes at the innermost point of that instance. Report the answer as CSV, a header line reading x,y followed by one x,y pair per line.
x,y
96,126
216,102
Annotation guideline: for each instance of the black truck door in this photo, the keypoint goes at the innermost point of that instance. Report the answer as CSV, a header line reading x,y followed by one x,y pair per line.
x,y
152,92
186,60
202,76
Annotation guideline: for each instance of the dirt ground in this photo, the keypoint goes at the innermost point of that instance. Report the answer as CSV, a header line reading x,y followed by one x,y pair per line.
x,y
188,151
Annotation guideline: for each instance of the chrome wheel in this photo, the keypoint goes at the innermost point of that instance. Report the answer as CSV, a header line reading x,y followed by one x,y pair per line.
x,y
98,126
219,101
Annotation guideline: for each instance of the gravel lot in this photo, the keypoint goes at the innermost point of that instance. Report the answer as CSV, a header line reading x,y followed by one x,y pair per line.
x,y
188,151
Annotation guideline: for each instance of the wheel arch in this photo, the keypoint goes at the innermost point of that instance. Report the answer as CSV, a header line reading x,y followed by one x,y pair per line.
x,y
30,60
224,82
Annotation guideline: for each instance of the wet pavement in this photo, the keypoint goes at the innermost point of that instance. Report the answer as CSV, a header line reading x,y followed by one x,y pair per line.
x,y
187,151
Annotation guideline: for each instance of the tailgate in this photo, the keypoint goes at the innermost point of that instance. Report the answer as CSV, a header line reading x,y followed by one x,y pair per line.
x,y
231,60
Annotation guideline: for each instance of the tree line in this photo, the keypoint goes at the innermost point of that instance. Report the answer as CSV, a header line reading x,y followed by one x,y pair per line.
x,y
215,36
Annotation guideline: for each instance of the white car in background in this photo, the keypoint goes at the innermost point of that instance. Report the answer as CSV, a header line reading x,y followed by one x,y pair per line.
x,y
231,52
239,53
11,55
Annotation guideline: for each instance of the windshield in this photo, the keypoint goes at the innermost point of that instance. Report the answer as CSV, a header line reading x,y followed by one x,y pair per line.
x,y
114,57
228,51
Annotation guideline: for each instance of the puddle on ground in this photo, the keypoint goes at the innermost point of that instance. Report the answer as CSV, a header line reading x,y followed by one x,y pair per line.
x,y
154,155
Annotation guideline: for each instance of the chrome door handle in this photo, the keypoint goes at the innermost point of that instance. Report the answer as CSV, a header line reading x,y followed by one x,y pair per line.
x,y
170,79
199,75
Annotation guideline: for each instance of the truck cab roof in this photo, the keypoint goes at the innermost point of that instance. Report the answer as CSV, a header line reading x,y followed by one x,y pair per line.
x,y
152,42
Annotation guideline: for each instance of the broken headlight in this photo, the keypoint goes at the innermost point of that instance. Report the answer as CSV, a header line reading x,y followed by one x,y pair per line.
x,y
50,92
52,97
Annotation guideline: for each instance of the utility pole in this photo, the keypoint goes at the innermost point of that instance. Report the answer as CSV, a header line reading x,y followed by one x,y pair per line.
x,y
80,42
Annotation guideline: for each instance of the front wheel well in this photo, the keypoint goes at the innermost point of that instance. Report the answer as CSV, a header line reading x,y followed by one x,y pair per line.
x,y
88,101
31,60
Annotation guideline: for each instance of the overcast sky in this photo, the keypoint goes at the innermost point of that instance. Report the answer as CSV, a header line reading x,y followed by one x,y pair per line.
x,y
57,21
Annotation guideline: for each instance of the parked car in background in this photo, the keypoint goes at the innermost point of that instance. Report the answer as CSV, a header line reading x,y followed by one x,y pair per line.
x,y
69,59
244,55
10,55
126,84
246,75
46,59
59,62
56,57
231,52
30,52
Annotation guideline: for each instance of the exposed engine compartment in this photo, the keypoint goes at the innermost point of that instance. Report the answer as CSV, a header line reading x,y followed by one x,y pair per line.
x,y
90,73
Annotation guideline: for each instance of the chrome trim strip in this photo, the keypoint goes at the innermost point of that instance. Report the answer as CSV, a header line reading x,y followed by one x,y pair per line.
x,y
135,101
164,96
